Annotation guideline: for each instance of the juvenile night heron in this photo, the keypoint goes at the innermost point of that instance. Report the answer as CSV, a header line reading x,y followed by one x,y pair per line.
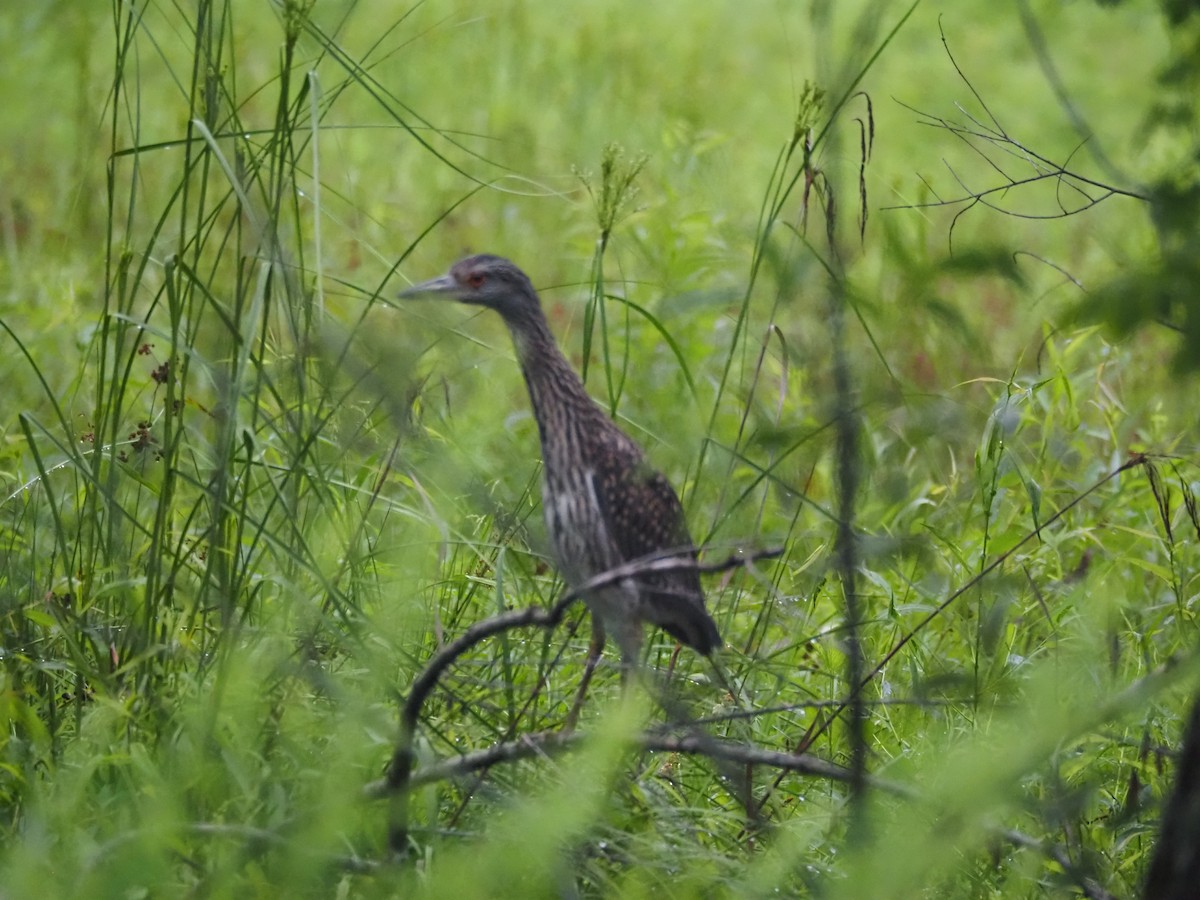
x,y
604,504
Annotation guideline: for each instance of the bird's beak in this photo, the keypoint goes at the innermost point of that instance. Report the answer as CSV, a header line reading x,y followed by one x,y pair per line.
x,y
443,285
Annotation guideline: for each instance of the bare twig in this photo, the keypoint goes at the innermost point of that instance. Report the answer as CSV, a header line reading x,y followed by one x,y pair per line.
x,y
986,137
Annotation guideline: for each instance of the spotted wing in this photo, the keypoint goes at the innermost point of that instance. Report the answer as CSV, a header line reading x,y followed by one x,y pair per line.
x,y
644,518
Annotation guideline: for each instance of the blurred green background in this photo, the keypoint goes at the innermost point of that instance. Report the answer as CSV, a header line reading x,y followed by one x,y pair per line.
x,y
245,496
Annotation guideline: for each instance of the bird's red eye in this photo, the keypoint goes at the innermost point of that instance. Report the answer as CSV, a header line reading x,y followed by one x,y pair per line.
x,y
475,280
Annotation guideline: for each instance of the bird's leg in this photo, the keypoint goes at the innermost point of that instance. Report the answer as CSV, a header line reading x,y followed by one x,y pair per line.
x,y
674,659
738,780
594,648
754,815
628,635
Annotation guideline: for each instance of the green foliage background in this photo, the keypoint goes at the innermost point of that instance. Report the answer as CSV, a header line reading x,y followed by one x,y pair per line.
x,y
244,498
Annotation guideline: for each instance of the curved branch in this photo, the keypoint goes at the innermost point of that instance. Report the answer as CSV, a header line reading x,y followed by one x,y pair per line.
x,y
400,770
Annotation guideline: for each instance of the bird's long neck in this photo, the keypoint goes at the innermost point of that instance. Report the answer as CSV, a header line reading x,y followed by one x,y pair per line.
x,y
561,405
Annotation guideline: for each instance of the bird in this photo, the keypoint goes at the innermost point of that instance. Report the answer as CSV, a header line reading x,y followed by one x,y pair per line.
x,y
604,504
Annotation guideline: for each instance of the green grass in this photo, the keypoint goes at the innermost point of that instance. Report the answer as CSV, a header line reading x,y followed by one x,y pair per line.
x,y
245,497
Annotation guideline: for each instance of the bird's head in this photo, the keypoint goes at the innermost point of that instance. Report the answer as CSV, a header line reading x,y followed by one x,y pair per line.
x,y
484,280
